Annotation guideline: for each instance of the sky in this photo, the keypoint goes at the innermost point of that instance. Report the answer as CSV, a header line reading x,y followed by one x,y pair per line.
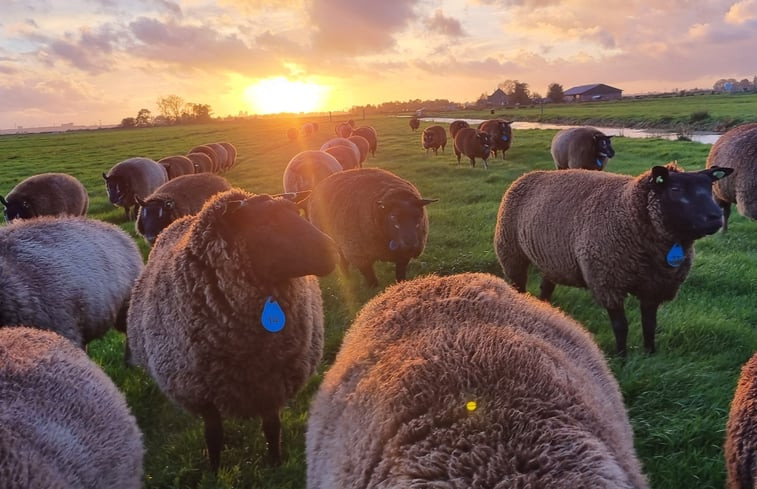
x,y
91,62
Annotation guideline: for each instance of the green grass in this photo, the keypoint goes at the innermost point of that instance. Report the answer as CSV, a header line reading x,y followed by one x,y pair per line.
x,y
678,399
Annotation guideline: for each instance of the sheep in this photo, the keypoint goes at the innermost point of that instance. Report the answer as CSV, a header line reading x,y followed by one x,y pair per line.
x,y
221,154
500,134
343,130
307,129
63,422
632,235
246,265
455,126
345,156
131,178
72,275
202,162
461,382
473,143
292,134
177,198
211,152
342,142
433,138
581,147
370,134
415,123
177,165
373,215
362,145
231,152
46,194
307,168
741,436
736,149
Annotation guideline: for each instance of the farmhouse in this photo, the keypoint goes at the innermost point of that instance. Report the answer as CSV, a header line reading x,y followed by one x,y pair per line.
x,y
595,91
497,99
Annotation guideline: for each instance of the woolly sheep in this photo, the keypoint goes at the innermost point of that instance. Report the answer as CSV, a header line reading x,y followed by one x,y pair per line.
x,y
307,129
231,154
132,178
46,194
177,198
581,147
343,130
345,156
455,126
202,162
222,156
433,138
741,432
473,144
177,165
233,266
460,382
736,149
363,145
63,423
373,215
342,142
307,168
370,134
211,152
415,123
500,135
632,235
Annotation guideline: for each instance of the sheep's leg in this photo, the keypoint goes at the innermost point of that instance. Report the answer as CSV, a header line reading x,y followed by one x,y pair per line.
x,y
620,328
213,435
272,432
472,162
368,273
457,154
486,165
547,287
517,272
649,323
400,268
726,212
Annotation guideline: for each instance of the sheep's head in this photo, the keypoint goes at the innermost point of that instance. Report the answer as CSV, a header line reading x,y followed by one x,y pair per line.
x,y
505,131
485,140
118,188
17,209
404,223
154,216
603,146
428,139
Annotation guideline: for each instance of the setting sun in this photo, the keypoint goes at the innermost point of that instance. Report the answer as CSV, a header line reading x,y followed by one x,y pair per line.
x,y
274,95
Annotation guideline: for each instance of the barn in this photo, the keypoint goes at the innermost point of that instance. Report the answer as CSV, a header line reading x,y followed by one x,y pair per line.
x,y
595,91
497,99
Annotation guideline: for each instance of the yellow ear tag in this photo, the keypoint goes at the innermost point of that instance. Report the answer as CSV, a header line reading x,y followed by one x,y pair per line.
x,y
471,406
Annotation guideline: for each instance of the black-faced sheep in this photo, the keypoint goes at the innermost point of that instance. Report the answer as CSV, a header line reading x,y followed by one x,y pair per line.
x,y
307,168
231,154
343,130
72,275
370,134
202,162
736,149
342,142
211,152
46,194
500,135
373,215
741,433
132,178
461,382
433,138
473,144
177,166
63,423
227,316
455,126
182,196
581,147
415,123
633,235
363,145
345,156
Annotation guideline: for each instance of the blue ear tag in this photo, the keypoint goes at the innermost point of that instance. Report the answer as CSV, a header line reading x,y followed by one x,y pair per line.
x,y
504,137
599,163
393,245
675,255
273,317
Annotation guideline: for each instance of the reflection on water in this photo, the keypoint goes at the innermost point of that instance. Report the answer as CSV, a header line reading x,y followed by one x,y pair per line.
x,y
699,137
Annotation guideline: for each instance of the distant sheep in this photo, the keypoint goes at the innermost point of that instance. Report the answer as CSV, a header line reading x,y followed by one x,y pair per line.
x,y
473,144
433,138
455,126
177,165
741,433
631,236
736,149
500,135
182,196
202,162
63,423
222,156
370,134
307,168
345,156
307,129
342,142
373,215
581,147
343,130
227,316
231,154
363,145
415,123
460,382
211,152
72,275
132,178
46,194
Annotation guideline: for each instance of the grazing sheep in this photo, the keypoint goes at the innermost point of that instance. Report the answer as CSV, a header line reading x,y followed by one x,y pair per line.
x,y
132,178
177,198
177,165
473,144
433,138
633,235
455,126
307,129
72,275
370,134
63,423
46,194
307,168
581,147
343,130
231,154
345,156
363,145
292,134
245,266
460,382
741,432
211,152
342,142
202,162
373,215
415,123
500,134
222,156
736,149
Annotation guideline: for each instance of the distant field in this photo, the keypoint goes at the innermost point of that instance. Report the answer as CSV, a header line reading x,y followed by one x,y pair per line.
x,y
678,399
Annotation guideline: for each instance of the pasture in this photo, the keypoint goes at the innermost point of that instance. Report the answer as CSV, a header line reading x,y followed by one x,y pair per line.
x,y
678,398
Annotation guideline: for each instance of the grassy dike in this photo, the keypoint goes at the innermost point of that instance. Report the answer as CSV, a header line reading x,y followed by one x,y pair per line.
x,y
678,399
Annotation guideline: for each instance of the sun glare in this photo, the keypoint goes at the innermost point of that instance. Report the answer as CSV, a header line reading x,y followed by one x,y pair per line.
x,y
274,95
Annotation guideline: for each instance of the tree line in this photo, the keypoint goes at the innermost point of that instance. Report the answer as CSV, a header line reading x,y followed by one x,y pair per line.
x,y
172,110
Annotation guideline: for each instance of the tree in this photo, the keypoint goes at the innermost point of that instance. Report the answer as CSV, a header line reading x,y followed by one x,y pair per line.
x,y
170,107
200,112
143,118
128,122
520,94
555,93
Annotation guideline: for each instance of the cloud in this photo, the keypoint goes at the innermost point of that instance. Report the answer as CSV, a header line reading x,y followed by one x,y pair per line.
x,y
741,12
91,51
446,26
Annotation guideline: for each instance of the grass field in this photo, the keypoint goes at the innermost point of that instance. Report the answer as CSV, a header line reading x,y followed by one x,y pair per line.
x,y
678,398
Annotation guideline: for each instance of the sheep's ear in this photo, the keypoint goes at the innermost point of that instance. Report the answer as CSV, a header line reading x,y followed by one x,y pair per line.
x,y
659,175
299,198
3,201
139,201
425,202
105,177
233,206
717,172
